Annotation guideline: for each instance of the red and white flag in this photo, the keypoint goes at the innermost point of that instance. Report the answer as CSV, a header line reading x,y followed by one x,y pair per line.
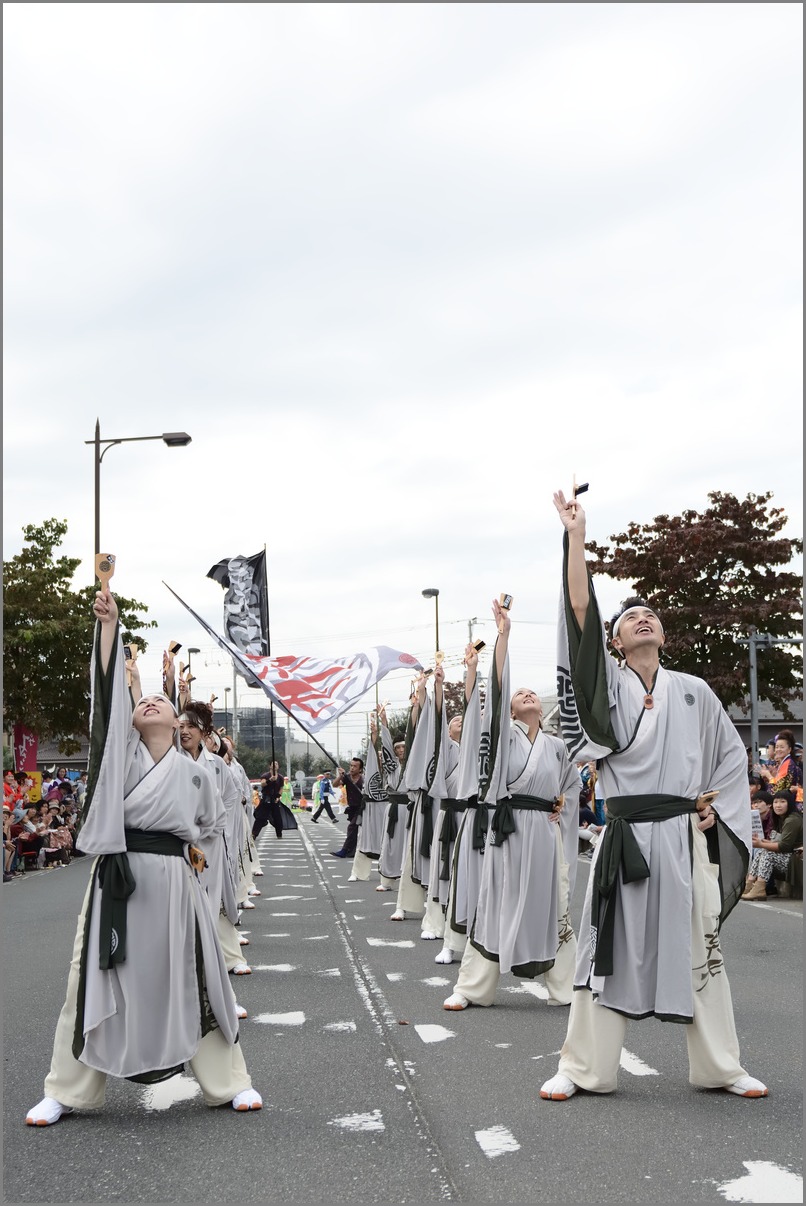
x,y
315,690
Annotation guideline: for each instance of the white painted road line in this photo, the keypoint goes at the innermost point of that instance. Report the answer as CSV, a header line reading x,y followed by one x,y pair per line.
x,y
496,1141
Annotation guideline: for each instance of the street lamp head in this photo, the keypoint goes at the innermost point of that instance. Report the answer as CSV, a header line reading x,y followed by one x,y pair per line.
x,y
430,592
192,649
176,439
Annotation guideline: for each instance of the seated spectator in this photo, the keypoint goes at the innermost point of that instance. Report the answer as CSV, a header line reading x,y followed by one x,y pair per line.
x,y
9,847
589,829
27,833
762,804
14,795
769,754
81,789
773,854
783,774
58,838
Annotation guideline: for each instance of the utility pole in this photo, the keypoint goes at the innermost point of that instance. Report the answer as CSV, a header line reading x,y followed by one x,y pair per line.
x,y
288,743
755,641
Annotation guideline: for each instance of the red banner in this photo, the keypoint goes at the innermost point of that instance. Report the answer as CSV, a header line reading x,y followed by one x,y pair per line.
x,y
26,744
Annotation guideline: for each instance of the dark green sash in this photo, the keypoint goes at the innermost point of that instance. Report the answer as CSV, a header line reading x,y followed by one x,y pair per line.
x,y
427,834
396,798
116,879
503,822
479,822
621,850
448,832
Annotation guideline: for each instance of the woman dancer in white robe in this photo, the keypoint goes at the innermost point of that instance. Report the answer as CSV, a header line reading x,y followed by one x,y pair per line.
x,y
251,857
390,861
380,768
672,862
468,851
522,922
147,990
418,773
446,826
218,877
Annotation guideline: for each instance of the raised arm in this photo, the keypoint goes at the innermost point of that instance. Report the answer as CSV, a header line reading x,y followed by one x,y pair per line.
x,y
105,610
572,518
135,686
417,698
502,622
471,665
439,682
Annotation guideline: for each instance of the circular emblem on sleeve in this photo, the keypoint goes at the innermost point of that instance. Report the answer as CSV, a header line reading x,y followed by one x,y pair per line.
x,y
196,781
113,945
689,699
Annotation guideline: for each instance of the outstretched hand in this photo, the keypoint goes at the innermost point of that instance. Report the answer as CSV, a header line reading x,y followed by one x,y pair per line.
x,y
501,617
105,607
571,513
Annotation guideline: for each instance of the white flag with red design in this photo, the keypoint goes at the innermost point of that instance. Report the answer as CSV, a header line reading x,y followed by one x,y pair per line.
x,y
317,690
314,690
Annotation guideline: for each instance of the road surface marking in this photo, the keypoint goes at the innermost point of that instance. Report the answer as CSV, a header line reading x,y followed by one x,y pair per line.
x,y
496,1141
430,1033
764,1182
281,1019
360,1122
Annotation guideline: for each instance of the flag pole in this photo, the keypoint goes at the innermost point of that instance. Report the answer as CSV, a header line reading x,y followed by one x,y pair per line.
x,y
266,640
238,659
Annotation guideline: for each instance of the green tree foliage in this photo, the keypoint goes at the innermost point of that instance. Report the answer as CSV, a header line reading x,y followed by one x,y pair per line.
x,y
47,638
256,761
454,694
714,578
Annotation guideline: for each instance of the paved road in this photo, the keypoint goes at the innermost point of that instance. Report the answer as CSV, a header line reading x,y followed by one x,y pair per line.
x,y
373,1093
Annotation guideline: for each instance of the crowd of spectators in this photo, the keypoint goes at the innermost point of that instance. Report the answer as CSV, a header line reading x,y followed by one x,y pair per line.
x,y
40,835
775,794
776,798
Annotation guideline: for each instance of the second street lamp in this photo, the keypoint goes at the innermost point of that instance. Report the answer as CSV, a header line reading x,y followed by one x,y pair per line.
x,y
431,592
173,439
190,659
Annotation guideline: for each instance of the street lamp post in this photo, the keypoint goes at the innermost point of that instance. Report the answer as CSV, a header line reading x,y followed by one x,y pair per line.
x,y
226,707
431,592
173,439
190,659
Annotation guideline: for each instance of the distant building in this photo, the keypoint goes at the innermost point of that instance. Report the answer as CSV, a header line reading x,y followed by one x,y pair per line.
x,y
770,721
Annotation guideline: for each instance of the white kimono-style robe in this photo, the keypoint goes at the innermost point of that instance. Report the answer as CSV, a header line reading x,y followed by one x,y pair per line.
x,y
393,846
148,1013
377,775
526,880
418,777
680,747
467,858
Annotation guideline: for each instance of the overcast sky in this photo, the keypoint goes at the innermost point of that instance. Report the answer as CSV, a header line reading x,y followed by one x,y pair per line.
x,y
401,271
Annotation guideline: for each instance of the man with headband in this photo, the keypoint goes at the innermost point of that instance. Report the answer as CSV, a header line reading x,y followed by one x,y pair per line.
x,y
673,859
